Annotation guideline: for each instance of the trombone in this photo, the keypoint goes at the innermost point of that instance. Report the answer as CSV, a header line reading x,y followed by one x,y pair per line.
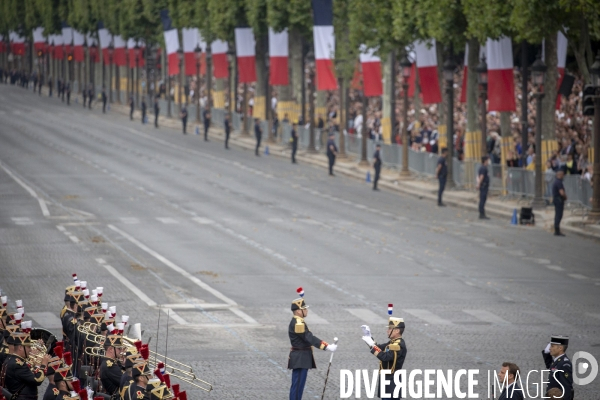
x,y
182,371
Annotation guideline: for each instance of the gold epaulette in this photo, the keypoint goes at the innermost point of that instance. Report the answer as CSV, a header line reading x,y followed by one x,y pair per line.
x,y
300,327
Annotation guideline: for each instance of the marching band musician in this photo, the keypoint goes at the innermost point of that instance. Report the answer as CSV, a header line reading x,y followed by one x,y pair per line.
x,y
391,354
127,377
51,390
301,357
17,375
110,369
137,390
63,379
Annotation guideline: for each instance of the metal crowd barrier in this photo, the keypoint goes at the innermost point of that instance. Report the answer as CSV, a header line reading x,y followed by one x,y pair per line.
x,y
516,181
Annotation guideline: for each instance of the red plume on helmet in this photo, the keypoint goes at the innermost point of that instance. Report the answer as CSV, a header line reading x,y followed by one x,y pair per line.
x,y
76,385
144,351
83,394
138,345
159,375
58,350
176,389
182,395
68,359
167,379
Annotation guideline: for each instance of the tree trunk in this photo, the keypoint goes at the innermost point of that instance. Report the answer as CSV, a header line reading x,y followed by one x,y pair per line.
x,y
440,69
473,60
295,59
388,92
550,89
261,76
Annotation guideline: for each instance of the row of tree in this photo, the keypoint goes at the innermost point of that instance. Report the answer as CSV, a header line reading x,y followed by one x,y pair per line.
x,y
388,25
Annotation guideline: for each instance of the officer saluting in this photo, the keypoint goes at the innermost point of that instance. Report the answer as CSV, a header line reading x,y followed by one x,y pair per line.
x,y
391,354
301,357
561,369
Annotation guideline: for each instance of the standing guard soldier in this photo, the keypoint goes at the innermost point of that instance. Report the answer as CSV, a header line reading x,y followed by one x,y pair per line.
x,y
17,376
560,366
391,354
51,389
69,320
301,357
63,379
137,389
110,369
84,92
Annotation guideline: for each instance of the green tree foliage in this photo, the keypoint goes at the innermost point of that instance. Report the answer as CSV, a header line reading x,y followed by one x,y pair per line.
x,y
226,15
487,18
372,24
296,15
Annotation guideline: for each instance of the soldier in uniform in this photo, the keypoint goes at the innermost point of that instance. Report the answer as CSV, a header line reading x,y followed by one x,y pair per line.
x,y
110,369
63,379
51,389
391,354
127,377
137,389
69,320
301,357
17,376
561,369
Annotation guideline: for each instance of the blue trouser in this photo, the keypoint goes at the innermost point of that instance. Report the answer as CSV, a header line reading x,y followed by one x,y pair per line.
x,y
442,180
298,382
483,192
559,206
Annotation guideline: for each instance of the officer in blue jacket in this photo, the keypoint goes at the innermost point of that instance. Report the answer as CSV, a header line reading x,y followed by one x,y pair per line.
x,y
560,366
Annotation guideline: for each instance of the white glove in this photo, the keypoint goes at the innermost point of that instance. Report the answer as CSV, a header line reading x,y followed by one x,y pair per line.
x,y
331,347
547,349
368,340
366,330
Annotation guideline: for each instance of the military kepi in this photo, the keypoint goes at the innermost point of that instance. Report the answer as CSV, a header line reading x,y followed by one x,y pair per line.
x,y
394,322
299,304
559,339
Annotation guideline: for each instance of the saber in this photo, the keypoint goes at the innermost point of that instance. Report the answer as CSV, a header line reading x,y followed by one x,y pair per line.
x,y
335,340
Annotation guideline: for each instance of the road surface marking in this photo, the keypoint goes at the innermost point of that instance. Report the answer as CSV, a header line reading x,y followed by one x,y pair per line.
x,y
175,316
167,220
546,317
578,276
366,315
142,296
129,220
311,319
22,221
487,316
32,192
195,306
186,274
555,267
203,221
46,320
428,316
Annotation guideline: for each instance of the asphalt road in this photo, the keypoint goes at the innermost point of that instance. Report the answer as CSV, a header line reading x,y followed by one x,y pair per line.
x,y
220,240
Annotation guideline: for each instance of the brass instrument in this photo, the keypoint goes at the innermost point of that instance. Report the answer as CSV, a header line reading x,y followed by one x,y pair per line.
x,y
95,351
89,330
181,371
37,351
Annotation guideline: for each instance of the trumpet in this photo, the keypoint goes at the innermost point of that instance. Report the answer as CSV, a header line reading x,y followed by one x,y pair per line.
x,y
182,371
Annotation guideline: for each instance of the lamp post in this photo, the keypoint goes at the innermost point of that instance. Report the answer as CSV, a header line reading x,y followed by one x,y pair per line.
x,y
83,82
482,78
449,68
595,75
93,50
305,50
538,73
268,109
136,51
406,70
363,139
111,51
198,57
310,59
230,61
180,57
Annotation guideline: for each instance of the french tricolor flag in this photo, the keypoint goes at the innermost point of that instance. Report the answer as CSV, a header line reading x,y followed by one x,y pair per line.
x,y
246,59
119,57
428,74
324,44
38,39
190,41
390,309
131,52
219,56
171,42
278,54
501,85
105,39
561,42
58,47
371,71
300,292
78,40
